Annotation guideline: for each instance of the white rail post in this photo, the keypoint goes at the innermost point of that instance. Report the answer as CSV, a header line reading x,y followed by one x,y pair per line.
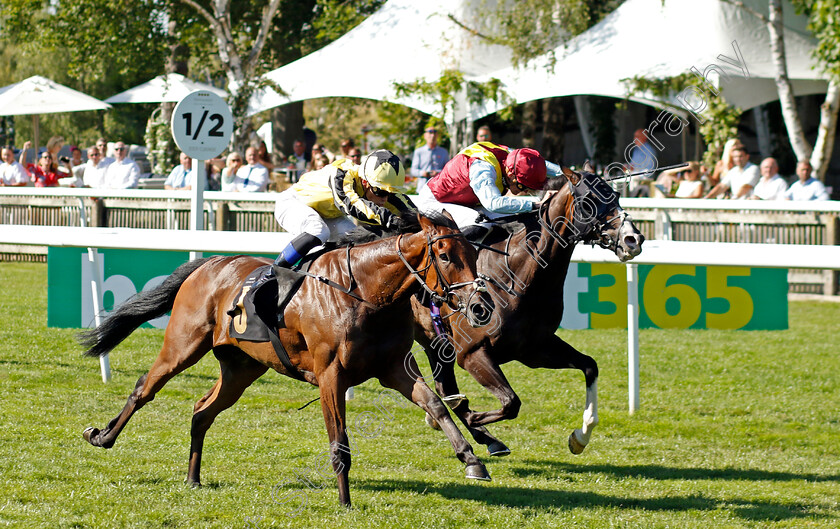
x,y
197,202
633,336
95,282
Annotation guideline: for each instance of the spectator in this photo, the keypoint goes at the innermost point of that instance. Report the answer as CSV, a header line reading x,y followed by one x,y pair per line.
x,y
667,183
483,134
428,161
102,145
45,173
54,145
725,163
741,179
771,186
234,163
264,157
253,176
71,174
355,155
122,173
807,187
319,162
346,145
309,140
297,160
12,173
642,159
474,183
318,150
95,169
182,176
691,185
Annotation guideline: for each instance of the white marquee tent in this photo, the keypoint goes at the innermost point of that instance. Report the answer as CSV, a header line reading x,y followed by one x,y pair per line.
x,y
406,40
403,41
647,38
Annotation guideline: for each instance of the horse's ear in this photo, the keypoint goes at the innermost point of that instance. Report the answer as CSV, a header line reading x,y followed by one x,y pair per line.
x,y
573,177
449,216
425,222
587,167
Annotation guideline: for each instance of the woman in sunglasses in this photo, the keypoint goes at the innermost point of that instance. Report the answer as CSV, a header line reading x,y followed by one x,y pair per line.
x,y
323,203
487,179
44,173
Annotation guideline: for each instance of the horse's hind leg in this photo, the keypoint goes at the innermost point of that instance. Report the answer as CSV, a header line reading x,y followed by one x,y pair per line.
x,y
419,393
238,371
180,350
554,353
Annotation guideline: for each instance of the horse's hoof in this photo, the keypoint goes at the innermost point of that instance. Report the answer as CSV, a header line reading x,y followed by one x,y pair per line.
x,y
89,433
478,471
453,401
574,445
498,449
432,422
194,484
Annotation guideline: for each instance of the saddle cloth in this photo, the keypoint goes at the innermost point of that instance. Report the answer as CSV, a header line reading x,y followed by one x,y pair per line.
x,y
259,310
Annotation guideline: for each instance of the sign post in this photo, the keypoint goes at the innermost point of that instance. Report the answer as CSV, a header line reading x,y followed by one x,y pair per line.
x,y
202,125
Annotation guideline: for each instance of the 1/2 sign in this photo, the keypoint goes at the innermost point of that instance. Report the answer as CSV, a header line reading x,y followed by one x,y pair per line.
x,y
202,125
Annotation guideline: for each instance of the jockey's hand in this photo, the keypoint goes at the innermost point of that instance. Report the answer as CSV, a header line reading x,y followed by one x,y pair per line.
x,y
394,222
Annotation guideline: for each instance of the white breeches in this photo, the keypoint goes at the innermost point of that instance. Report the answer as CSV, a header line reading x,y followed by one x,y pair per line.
x,y
296,217
464,215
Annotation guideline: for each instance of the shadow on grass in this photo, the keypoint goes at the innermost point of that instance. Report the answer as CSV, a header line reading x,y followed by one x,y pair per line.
x,y
534,498
659,472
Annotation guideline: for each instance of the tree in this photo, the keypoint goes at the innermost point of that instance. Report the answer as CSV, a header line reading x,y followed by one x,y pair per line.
x,y
823,16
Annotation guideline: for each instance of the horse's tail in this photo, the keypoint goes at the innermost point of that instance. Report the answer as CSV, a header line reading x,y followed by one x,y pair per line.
x,y
140,308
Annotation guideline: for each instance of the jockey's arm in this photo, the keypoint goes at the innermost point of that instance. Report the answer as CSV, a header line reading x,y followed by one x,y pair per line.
x,y
357,206
483,184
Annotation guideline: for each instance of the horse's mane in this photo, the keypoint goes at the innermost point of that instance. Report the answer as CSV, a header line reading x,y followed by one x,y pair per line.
x,y
409,223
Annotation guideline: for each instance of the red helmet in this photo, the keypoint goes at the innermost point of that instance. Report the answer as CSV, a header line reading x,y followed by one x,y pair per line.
x,y
526,167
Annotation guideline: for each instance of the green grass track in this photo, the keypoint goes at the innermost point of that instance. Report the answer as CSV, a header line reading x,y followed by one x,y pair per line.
x,y
736,429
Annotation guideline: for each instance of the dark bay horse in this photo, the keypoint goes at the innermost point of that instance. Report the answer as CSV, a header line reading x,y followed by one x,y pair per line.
x,y
334,340
527,287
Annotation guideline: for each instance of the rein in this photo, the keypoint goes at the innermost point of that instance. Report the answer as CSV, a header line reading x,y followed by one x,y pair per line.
x,y
447,288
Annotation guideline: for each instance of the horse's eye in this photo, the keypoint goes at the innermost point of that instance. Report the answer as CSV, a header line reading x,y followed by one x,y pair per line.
x,y
443,257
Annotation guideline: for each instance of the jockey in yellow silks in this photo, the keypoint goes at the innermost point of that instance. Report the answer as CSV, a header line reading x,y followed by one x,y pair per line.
x,y
323,203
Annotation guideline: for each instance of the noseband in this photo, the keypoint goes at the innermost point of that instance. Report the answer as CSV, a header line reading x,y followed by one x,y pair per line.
x,y
447,287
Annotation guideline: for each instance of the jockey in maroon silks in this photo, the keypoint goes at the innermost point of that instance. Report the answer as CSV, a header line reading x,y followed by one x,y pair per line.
x,y
477,179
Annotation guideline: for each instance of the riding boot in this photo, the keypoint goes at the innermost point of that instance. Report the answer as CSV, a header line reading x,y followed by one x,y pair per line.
x,y
295,250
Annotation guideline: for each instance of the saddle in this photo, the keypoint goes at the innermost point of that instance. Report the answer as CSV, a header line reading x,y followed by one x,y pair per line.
x,y
258,311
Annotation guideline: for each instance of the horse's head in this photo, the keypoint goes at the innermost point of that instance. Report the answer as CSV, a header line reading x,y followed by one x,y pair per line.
x,y
596,216
450,270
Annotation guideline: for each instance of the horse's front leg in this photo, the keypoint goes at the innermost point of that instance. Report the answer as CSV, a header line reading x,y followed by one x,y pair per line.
x,y
554,353
401,378
333,386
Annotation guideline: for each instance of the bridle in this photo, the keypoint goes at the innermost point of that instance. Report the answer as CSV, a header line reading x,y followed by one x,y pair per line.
x,y
448,288
594,231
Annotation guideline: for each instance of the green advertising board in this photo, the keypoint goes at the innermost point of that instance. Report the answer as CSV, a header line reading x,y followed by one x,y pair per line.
x,y
595,297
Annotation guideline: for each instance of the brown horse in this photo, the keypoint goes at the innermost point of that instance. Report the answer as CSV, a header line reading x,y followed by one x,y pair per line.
x,y
334,339
527,287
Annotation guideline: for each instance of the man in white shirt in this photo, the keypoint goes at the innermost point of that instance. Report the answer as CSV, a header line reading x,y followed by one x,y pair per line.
x,y
771,186
182,176
95,169
741,179
123,173
253,176
12,173
806,188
